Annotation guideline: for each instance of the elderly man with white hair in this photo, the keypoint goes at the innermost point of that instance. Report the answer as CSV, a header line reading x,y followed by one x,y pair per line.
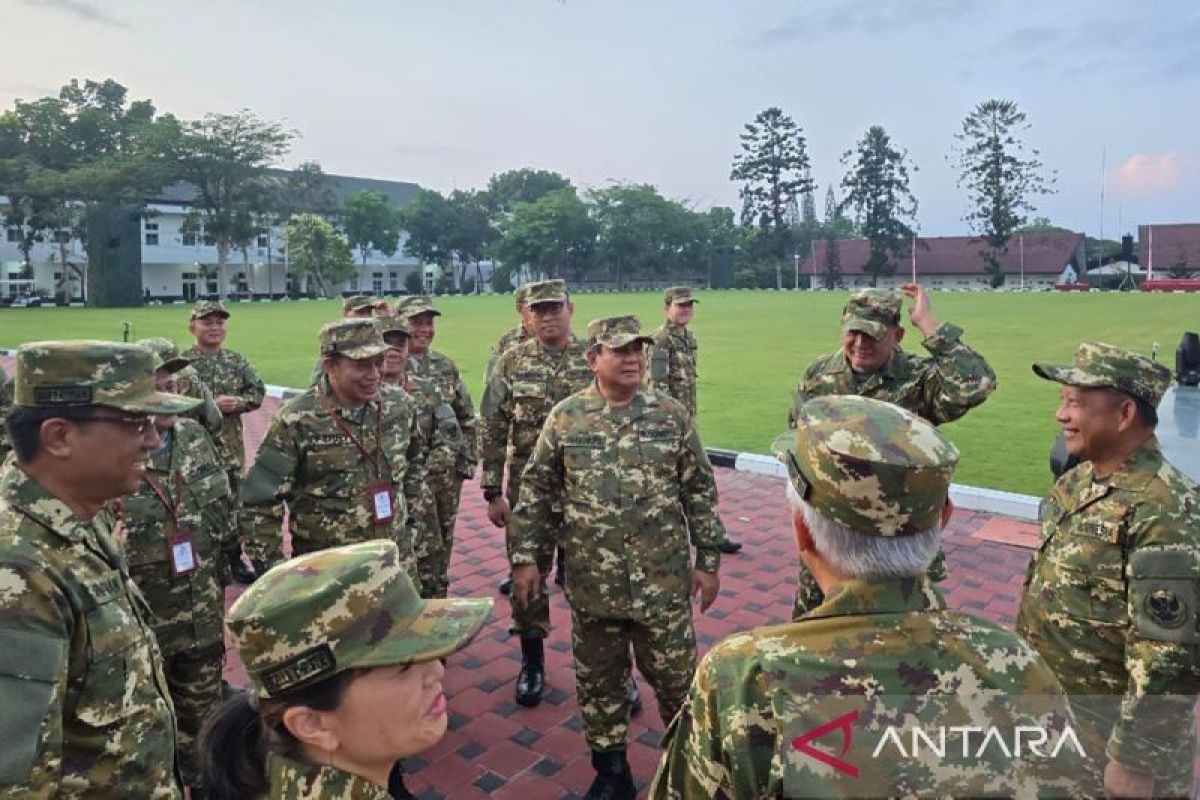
x,y
826,706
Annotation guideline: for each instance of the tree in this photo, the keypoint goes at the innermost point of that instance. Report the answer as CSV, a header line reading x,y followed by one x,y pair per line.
x,y
553,234
371,222
306,189
643,234
831,277
226,157
427,221
506,189
877,189
470,232
808,204
836,225
723,240
1001,177
773,168
316,249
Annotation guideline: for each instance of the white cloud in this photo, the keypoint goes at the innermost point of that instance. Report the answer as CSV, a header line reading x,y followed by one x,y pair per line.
x,y
1144,173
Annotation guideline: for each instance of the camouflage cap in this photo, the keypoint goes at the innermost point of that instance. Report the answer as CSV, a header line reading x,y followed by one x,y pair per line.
x,y
76,373
870,465
416,304
388,325
1101,365
679,294
206,308
546,292
521,295
352,338
354,606
872,311
616,332
357,302
166,354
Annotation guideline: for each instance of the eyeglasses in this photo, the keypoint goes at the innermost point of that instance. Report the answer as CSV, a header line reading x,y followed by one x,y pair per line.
x,y
139,425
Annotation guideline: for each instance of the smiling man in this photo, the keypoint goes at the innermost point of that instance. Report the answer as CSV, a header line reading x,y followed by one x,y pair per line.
x,y
939,388
86,708
1112,592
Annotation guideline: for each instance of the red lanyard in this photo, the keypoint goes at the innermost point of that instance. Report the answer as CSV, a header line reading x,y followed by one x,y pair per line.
x,y
369,457
172,508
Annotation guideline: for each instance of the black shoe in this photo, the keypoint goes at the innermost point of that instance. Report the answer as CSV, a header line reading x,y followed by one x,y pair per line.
x,y
560,566
635,698
531,680
506,585
396,787
729,546
614,780
560,577
239,572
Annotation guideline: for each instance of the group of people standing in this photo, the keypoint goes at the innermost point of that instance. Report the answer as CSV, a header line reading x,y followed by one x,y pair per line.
x,y
126,510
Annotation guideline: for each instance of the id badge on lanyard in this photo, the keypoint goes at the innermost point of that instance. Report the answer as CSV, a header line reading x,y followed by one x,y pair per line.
x,y
182,547
381,499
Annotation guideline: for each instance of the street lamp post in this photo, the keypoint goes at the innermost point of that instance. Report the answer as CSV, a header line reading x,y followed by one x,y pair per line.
x,y
796,279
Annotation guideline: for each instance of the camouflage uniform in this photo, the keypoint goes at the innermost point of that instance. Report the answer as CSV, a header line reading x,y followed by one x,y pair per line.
x,y
185,611
673,359
1111,595
188,384
527,382
510,338
86,708
309,461
456,419
633,484
886,649
5,405
337,609
939,389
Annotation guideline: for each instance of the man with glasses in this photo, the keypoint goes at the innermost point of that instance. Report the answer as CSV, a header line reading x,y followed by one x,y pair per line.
x,y
237,389
86,708
527,381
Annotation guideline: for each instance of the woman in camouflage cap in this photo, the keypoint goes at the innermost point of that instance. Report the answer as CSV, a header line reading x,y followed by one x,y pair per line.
x,y
345,677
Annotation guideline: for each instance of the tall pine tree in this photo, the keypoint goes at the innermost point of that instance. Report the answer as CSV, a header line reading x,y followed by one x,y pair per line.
x,y
877,189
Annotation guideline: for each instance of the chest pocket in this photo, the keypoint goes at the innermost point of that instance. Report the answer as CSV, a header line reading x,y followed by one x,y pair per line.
x,y
113,634
447,422
333,467
658,447
1088,559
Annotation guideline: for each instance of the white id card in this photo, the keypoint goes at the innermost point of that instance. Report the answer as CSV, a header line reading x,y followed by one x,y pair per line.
x,y
183,554
381,499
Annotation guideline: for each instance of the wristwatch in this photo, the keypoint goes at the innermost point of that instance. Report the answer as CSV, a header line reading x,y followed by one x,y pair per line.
x,y
491,493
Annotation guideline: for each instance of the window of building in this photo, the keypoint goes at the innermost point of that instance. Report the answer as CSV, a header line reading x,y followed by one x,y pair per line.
x,y
14,234
354,284
243,287
209,239
151,233
264,237
189,239
377,282
62,237
211,286
393,281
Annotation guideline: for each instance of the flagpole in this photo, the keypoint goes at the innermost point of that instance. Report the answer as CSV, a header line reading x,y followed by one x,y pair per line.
x,y
914,259
1021,241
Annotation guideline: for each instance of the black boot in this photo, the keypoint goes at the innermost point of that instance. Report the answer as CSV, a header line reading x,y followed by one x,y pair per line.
x,y
238,570
506,585
729,546
635,698
531,680
396,787
560,566
614,780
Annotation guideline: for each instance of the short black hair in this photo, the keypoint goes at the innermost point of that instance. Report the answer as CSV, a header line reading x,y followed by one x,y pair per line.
x,y
1147,414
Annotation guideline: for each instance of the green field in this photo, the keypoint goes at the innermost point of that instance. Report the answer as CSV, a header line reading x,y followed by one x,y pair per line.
x,y
753,345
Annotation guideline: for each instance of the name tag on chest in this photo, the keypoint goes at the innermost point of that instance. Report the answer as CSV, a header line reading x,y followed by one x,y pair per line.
x,y
381,502
183,554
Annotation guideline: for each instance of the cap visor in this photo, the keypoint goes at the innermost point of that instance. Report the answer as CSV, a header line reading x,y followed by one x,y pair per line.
x,y
365,351
623,339
175,364
540,300
221,314
443,627
409,313
1071,376
158,403
875,330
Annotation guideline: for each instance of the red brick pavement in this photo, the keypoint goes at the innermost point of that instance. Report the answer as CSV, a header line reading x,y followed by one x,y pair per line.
x,y
496,748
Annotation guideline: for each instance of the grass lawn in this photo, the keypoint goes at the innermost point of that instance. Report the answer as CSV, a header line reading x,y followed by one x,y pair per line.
x,y
753,346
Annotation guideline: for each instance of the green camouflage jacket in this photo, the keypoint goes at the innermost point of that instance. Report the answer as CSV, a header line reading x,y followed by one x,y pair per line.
x,y
439,450
6,399
873,654
309,463
673,364
456,399
187,611
510,339
228,373
86,710
1111,603
940,389
633,483
296,780
526,383
188,383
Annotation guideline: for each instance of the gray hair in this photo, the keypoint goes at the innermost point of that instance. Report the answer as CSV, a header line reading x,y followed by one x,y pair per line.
x,y
857,555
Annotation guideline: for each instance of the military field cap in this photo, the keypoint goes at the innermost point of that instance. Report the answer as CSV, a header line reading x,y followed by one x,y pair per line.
x,y
206,308
392,325
1101,365
872,311
679,294
352,338
521,295
310,618
546,292
166,354
67,374
616,332
416,304
870,465
357,302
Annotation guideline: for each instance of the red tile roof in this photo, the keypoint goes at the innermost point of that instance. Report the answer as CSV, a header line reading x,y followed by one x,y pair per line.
x,y
1044,254
1173,244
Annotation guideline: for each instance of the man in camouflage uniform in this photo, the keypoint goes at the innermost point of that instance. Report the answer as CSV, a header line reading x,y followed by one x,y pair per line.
x,y
868,489
1111,595
343,456
939,389
187,383
5,405
456,412
356,306
528,380
86,708
429,548
673,361
237,390
177,525
518,335
627,470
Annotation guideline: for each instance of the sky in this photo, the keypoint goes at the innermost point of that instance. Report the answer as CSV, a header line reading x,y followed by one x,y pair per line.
x,y
445,93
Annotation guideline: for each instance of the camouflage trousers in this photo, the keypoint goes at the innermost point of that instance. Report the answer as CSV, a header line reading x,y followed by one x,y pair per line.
x,y
809,594
533,620
234,473
665,649
194,681
432,547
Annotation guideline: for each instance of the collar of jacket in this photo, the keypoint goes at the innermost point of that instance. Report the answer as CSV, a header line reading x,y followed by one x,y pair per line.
x,y
22,492
855,596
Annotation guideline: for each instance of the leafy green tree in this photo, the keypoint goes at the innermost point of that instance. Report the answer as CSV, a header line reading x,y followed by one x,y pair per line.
x,y
316,249
306,189
427,220
1001,176
808,203
831,276
371,222
470,232
723,239
551,235
506,189
643,234
876,188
